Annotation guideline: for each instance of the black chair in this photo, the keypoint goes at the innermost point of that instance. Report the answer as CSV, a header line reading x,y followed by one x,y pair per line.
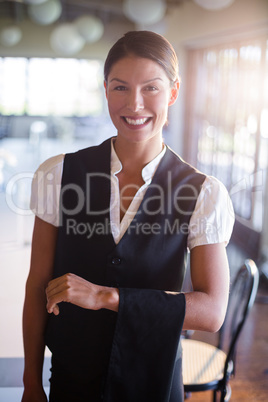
x,y
206,367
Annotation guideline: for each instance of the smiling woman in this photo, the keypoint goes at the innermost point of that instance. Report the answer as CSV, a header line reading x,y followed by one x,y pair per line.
x,y
136,100
113,226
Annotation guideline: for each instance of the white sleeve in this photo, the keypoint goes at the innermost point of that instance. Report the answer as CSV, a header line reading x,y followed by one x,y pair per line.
x,y
213,218
46,187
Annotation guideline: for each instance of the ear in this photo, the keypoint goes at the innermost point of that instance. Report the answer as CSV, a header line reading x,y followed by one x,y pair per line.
x,y
105,86
174,93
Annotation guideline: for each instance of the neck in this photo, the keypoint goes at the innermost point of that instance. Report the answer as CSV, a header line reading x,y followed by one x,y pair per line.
x,y
136,155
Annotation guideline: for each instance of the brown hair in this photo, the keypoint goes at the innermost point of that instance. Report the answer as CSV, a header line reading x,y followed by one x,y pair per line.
x,y
145,44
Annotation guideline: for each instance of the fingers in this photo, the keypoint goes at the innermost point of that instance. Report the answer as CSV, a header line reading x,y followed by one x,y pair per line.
x,y
56,293
55,310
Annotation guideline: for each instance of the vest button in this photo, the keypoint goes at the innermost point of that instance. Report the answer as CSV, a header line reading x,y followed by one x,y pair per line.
x,y
116,261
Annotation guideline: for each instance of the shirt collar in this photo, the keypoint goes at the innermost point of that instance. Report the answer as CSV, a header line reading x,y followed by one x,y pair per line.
x,y
148,170
116,165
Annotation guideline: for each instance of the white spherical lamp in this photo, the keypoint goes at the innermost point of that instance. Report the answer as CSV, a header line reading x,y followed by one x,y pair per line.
x,y
66,40
214,4
90,28
45,13
144,11
10,36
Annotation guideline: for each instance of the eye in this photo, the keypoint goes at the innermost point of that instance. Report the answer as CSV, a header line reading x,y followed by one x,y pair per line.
x,y
151,88
120,88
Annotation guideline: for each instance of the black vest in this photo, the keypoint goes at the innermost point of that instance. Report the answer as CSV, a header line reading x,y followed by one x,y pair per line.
x,y
150,255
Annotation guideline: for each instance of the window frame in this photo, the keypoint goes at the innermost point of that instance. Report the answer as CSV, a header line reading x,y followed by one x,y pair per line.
x,y
246,227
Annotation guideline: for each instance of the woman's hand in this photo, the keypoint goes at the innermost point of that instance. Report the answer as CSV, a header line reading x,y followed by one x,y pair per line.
x,y
73,289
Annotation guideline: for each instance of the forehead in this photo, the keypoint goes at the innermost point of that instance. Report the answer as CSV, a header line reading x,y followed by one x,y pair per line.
x,y
131,67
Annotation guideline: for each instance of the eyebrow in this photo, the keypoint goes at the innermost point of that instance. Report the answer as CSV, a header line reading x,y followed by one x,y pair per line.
x,y
145,82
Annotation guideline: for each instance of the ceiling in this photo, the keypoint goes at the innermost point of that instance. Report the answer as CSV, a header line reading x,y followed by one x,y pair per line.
x,y
107,10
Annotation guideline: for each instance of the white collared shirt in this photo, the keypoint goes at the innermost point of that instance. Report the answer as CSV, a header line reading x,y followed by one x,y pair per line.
x,y
211,222
119,228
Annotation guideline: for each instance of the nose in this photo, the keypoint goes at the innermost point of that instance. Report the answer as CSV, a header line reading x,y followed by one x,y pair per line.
x,y
135,101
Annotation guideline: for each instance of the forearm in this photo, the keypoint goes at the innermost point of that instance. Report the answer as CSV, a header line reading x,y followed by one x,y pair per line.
x,y
34,322
206,305
203,312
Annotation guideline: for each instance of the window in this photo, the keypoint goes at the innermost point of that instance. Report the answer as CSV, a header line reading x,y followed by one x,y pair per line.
x,y
43,87
227,121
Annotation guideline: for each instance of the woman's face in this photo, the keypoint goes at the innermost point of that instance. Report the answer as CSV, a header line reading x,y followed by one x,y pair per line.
x,y
139,93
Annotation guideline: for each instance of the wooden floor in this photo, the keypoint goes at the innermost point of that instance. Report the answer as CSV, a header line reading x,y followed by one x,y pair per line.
x,y
251,380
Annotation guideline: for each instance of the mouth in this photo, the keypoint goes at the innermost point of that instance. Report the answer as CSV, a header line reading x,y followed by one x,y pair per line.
x,y
138,122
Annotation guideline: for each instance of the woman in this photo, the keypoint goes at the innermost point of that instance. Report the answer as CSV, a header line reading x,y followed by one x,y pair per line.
x,y
108,253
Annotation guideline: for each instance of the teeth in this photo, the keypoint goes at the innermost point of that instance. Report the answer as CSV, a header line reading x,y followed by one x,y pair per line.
x,y
136,122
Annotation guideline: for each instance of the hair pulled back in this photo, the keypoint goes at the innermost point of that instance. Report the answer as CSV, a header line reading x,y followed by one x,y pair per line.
x,y
145,44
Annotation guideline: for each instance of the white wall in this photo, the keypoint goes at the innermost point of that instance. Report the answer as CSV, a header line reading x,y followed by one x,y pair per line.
x,y
190,22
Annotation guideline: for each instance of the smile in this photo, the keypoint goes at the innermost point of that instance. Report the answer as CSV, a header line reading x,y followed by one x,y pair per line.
x,y
137,122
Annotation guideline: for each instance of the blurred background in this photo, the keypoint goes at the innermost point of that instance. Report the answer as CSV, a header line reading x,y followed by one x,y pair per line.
x,y
52,101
